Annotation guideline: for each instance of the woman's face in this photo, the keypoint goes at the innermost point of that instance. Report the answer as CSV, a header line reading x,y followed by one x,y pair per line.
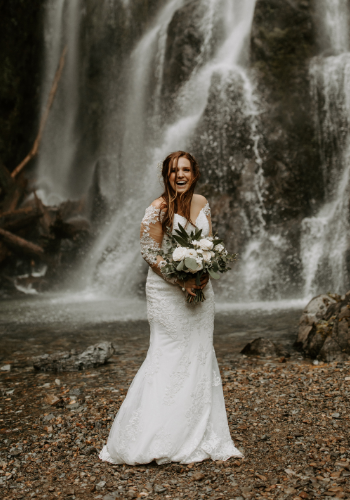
x,y
184,175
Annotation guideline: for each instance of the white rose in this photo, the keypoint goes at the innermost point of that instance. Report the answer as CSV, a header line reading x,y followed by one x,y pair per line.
x,y
191,252
179,253
219,247
212,253
205,244
207,256
195,243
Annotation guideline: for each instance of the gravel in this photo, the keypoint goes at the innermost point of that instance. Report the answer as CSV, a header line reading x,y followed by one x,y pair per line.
x,y
291,420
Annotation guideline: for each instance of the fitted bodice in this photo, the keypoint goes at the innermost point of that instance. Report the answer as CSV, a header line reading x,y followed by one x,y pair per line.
x,y
152,232
201,223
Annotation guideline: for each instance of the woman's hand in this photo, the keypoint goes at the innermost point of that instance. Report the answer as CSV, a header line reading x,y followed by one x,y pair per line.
x,y
191,284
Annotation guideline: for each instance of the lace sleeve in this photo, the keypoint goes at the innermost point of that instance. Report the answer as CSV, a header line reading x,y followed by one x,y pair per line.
x,y
207,213
151,236
206,210
151,239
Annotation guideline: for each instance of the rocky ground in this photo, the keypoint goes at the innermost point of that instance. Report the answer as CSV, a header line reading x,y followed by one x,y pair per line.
x,y
291,419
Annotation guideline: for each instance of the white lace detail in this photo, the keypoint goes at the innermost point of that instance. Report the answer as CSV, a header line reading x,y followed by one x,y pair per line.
x,y
216,379
202,355
200,398
174,410
147,243
152,363
177,380
206,210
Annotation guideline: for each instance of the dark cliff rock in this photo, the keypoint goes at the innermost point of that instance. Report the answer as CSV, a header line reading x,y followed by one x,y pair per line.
x,y
283,41
183,49
20,62
257,146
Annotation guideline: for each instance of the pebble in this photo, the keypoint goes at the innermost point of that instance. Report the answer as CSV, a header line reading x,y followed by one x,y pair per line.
x,y
281,414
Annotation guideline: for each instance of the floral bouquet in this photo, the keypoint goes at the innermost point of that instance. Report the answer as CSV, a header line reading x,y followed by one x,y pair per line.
x,y
192,255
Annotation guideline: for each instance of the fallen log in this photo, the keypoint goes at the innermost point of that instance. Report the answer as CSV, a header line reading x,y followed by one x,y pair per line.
x,y
17,219
20,245
44,117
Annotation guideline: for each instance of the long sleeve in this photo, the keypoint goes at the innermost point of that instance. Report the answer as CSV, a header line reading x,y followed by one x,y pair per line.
x,y
151,235
151,238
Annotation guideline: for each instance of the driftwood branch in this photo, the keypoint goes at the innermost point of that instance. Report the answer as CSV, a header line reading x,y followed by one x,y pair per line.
x,y
17,219
44,117
20,244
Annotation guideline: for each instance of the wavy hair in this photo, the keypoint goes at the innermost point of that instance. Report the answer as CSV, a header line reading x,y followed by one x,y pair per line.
x,y
172,202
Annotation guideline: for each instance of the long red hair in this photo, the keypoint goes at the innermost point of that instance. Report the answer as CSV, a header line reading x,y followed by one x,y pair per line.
x,y
172,202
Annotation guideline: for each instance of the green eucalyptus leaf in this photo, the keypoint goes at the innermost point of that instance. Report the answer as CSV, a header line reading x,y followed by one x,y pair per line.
x,y
180,266
191,263
214,275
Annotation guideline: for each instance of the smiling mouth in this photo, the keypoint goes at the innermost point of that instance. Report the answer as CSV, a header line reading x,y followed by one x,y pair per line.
x,y
181,183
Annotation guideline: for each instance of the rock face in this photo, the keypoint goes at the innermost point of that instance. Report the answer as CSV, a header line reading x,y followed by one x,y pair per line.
x,y
324,328
94,355
283,41
264,348
21,27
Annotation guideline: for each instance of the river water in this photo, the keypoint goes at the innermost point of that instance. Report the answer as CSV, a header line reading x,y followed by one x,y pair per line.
x,y
36,325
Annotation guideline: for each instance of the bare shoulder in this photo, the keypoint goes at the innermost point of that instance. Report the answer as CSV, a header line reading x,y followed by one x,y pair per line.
x,y
157,203
199,200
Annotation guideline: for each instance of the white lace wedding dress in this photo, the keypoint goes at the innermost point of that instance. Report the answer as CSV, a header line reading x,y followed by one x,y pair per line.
x,y
174,410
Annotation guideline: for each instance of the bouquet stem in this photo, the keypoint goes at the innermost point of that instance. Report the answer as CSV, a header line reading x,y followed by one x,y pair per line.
x,y
200,297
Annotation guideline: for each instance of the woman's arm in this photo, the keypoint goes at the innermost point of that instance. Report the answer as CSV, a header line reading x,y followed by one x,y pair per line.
x,y
151,237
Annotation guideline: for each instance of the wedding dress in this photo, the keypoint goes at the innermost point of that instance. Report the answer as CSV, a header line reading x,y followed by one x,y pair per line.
x,y
174,410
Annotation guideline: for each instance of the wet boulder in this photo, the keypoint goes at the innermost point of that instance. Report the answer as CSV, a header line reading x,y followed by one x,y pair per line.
x,y
264,348
324,328
93,356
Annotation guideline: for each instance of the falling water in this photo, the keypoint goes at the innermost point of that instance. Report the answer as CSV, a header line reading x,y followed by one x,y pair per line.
x,y
325,237
114,262
58,148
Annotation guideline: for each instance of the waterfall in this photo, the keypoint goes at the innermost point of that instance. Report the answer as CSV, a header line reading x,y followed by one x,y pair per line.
x,y
58,147
114,262
325,237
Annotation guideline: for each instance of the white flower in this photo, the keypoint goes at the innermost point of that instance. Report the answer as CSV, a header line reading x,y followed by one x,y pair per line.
x,y
195,243
219,247
205,244
179,253
207,256
212,253
191,252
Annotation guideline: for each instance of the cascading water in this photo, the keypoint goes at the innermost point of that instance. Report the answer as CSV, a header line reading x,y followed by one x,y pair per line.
x,y
212,110
114,262
325,237
58,147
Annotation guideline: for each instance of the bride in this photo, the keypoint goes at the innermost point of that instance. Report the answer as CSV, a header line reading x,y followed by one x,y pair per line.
x,y
174,410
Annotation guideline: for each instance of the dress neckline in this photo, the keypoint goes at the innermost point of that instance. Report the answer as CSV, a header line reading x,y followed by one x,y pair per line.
x,y
201,210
